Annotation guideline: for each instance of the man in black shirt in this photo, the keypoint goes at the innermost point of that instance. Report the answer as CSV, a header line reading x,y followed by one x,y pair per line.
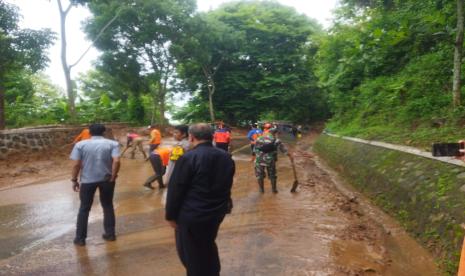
x,y
199,196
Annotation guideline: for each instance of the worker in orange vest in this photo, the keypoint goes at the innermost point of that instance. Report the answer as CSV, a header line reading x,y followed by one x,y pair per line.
x,y
84,135
253,135
155,138
222,137
159,159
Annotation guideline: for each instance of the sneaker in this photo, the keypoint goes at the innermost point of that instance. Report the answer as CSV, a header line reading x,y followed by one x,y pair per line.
x,y
109,237
79,242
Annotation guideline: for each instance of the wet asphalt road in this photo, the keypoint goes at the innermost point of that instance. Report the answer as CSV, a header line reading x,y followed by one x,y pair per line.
x,y
283,234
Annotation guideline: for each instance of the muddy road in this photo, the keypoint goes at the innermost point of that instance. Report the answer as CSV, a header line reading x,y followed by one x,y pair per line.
x,y
324,229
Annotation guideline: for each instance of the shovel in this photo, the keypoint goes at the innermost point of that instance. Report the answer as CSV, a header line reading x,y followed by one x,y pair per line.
x,y
296,182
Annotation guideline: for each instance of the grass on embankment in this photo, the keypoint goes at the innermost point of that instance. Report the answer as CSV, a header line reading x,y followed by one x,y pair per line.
x,y
420,135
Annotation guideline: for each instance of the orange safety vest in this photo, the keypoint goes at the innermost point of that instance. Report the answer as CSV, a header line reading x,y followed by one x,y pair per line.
x,y
255,137
84,135
164,155
222,137
155,137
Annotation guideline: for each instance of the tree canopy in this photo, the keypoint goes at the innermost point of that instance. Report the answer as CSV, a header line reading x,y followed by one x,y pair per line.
x,y
258,55
22,52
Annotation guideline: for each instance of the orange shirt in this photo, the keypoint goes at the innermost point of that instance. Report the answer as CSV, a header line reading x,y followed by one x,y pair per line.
x,y
155,137
84,135
164,155
222,136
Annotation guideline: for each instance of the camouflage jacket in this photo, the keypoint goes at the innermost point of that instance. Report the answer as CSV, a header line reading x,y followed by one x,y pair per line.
x,y
267,158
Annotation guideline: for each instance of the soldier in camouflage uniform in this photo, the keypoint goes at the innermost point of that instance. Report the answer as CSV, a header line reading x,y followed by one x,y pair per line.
x,y
266,151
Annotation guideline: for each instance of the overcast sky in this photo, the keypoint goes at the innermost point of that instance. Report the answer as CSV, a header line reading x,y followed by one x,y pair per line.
x,y
39,14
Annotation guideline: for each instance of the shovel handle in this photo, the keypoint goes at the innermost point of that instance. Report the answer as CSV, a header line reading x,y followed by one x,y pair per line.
x,y
296,182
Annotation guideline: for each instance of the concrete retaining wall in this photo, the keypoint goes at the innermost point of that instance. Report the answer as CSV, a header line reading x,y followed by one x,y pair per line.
x,y
427,196
26,140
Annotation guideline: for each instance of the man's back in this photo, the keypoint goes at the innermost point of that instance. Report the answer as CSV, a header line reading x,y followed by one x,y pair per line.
x,y
200,188
155,137
96,155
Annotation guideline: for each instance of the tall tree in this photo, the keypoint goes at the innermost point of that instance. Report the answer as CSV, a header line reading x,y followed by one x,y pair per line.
x,y
206,45
142,35
64,59
458,55
64,49
264,62
20,49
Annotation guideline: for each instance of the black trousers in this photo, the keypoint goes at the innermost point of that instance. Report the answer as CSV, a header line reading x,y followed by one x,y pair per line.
x,y
196,246
158,168
152,147
86,195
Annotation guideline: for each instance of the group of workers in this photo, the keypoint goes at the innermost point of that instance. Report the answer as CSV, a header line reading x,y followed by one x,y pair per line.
x,y
199,197
200,179
264,146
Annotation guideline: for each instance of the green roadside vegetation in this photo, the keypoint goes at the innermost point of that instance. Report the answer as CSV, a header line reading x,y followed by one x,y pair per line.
x,y
383,70
387,67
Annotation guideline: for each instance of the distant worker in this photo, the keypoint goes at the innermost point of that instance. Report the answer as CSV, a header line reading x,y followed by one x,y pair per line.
x,y
266,151
253,135
84,135
96,161
159,159
181,146
266,127
294,131
222,137
155,138
134,141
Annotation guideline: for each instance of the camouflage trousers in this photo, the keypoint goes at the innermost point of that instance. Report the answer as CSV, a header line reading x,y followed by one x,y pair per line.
x,y
270,170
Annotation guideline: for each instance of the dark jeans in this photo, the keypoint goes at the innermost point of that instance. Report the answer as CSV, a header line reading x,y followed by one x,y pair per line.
x,y
152,147
158,168
86,194
223,146
196,246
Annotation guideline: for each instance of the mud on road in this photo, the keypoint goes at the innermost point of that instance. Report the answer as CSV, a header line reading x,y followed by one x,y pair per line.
x,y
325,228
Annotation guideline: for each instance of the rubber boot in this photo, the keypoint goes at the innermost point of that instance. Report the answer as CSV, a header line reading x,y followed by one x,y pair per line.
x,y
273,186
261,185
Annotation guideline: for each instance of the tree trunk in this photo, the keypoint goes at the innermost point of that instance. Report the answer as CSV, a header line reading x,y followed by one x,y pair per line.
x,y
64,62
2,107
162,100
458,55
211,91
